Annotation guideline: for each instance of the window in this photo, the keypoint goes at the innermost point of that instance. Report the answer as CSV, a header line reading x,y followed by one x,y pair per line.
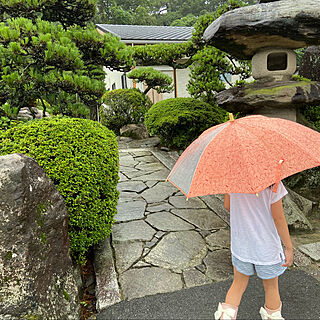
x,y
124,81
113,86
277,61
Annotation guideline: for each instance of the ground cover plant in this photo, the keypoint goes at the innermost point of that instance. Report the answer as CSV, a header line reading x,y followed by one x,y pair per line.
x,y
122,107
81,158
178,121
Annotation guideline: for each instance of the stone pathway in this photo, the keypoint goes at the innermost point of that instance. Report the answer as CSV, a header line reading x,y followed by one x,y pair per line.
x,y
160,242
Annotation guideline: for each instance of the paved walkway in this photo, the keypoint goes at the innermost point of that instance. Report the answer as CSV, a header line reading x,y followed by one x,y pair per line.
x,y
160,242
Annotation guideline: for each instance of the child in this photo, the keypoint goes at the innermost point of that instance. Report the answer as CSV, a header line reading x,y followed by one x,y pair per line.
x,y
257,224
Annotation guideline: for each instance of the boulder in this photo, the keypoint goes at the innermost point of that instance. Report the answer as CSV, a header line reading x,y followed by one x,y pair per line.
x,y
297,209
270,94
310,65
25,114
37,279
287,24
135,131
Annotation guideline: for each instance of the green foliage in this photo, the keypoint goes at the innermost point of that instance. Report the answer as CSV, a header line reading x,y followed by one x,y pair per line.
x,y
205,20
209,66
178,121
209,73
187,21
297,77
153,79
81,158
163,54
123,106
312,114
67,12
55,55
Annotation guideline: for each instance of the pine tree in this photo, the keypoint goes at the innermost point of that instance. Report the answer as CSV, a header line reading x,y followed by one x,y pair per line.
x,y
51,54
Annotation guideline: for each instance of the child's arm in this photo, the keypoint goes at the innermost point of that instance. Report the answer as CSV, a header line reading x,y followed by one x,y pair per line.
x,y
283,231
227,201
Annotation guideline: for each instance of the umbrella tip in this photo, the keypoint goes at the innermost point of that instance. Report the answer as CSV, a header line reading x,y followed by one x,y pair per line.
x,y
231,117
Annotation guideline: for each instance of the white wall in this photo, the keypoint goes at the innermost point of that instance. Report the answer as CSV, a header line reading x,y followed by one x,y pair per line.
x,y
114,78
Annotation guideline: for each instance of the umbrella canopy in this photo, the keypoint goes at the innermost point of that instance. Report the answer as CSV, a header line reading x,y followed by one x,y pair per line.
x,y
245,155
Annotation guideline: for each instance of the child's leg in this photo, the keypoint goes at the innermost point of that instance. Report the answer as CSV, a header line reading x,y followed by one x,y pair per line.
x,y
238,287
272,296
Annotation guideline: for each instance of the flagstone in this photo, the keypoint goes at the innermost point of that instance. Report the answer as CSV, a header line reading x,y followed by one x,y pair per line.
x,y
126,196
139,154
150,166
160,175
132,210
166,221
127,253
155,207
193,277
178,250
219,239
218,265
136,186
159,234
146,281
150,184
132,231
141,264
182,203
202,218
151,243
122,177
146,159
135,174
312,250
158,193
127,160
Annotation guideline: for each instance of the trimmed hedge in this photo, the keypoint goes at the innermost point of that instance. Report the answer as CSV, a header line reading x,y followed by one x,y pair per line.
x,y
179,121
81,158
124,106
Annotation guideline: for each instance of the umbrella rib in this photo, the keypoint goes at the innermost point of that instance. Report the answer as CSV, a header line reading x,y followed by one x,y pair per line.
x,y
223,129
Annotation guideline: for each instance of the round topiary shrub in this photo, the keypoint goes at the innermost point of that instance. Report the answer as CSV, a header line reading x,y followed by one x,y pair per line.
x,y
179,121
81,158
122,107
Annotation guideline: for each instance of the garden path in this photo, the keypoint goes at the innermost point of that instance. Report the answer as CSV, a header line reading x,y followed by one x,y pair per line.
x,y
160,242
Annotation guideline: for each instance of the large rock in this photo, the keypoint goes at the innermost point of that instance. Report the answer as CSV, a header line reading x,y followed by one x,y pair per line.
x,y
297,209
25,113
135,131
288,24
310,65
37,280
274,95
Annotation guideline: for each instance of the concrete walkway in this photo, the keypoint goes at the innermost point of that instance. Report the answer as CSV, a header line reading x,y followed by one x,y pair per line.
x,y
160,242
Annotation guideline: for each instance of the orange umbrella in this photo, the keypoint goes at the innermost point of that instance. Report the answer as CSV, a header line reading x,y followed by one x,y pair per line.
x,y
245,155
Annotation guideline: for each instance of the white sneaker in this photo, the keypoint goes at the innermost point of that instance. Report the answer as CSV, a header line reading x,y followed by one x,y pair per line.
x,y
274,316
227,314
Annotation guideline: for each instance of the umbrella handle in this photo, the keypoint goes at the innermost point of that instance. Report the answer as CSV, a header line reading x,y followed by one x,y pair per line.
x,y
278,176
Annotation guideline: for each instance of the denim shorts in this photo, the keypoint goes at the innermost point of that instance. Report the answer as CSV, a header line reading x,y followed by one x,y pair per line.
x,y
263,271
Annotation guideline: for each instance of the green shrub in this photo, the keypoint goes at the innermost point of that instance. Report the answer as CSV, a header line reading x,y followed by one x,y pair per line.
x,y
312,114
6,123
81,158
124,106
178,121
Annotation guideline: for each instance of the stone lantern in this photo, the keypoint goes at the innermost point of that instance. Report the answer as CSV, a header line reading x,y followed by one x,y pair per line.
x,y
268,33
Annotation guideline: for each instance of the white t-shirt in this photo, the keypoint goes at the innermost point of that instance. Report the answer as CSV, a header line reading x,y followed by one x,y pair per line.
x,y
254,237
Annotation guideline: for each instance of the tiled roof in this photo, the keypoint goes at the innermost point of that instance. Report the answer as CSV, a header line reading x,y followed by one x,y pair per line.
x,y
147,34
